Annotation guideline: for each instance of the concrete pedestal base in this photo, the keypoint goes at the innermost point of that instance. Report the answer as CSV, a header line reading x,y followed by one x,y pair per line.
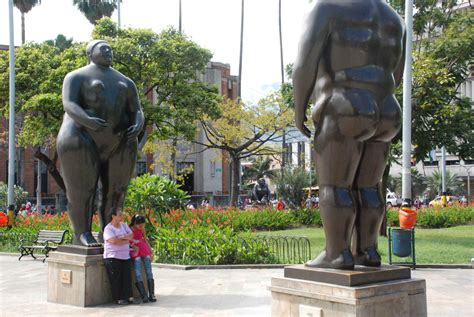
x,y
302,298
78,280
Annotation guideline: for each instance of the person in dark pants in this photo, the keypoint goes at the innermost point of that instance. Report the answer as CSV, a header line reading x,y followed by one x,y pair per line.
x,y
117,236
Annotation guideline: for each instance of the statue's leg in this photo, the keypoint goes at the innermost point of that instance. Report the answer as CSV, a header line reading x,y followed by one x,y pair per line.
x,y
115,176
338,148
371,210
367,185
80,170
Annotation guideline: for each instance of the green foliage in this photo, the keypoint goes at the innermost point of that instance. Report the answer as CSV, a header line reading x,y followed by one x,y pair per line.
x,y
170,64
19,195
454,185
153,196
208,246
60,42
308,216
418,183
264,219
246,130
40,70
259,168
437,217
290,184
96,9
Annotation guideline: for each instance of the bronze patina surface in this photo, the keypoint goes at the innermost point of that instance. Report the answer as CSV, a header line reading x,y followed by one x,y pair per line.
x,y
361,275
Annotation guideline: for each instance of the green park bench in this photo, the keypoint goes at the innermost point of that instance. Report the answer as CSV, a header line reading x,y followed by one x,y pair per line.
x,y
45,241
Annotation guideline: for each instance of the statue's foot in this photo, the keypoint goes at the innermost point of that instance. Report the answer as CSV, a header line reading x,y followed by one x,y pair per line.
x,y
370,257
344,261
88,240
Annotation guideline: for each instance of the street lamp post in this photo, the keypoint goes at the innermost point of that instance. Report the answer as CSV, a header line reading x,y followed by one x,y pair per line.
x,y
11,125
407,85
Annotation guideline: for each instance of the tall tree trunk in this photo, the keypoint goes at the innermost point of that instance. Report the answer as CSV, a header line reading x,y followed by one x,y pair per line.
x,y
174,153
235,189
282,69
51,165
22,28
38,188
383,189
239,89
180,18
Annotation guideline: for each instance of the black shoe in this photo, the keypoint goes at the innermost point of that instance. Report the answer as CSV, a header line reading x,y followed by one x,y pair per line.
x,y
141,290
151,290
123,302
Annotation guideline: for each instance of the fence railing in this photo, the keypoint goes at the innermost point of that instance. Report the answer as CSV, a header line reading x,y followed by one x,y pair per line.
x,y
261,249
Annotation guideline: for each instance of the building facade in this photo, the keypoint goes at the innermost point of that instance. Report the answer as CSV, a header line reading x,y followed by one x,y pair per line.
x,y
205,171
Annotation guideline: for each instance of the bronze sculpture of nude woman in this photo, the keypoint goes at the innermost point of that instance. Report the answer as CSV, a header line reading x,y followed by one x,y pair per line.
x,y
351,55
97,141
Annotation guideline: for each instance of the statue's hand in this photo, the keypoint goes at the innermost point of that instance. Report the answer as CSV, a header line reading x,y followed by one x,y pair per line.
x,y
299,121
133,131
303,128
95,123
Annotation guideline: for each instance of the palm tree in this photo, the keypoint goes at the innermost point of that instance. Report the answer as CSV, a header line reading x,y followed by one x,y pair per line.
x,y
260,168
25,6
454,185
94,10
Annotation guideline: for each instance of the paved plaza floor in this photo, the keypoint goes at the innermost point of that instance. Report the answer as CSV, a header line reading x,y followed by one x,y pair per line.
x,y
226,292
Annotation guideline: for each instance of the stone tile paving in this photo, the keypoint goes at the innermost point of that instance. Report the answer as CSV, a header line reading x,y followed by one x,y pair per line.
x,y
211,293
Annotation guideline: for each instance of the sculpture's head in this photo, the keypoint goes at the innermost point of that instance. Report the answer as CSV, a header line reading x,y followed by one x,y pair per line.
x,y
261,182
99,52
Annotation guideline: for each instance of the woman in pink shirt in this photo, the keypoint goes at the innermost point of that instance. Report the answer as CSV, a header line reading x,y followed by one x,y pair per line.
x,y
142,254
117,236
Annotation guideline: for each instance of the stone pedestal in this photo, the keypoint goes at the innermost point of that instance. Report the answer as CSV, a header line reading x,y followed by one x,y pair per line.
x,y
78,279
380,298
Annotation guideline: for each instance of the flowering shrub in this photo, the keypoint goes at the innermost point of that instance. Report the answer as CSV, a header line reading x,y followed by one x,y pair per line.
x,y
437,217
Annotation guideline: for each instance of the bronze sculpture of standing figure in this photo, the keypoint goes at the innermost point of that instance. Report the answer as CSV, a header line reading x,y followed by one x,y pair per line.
x,y
351,55
98,139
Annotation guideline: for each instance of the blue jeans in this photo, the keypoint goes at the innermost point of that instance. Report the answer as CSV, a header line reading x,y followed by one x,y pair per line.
x,y
137,262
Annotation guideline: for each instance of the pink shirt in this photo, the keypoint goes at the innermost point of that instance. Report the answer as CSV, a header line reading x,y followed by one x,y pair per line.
x,y
139,241
113,250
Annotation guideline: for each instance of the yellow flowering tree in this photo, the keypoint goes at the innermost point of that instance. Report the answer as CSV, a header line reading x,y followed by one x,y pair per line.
x,y
244,131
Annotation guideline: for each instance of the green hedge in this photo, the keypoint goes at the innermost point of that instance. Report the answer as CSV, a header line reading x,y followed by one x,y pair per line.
x,y
437,217
209,246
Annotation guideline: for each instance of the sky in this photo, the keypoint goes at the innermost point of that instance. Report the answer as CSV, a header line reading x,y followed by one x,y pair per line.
x,y
213,24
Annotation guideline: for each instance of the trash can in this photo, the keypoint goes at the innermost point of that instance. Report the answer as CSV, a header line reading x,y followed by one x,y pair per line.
x,y
401,242
407,217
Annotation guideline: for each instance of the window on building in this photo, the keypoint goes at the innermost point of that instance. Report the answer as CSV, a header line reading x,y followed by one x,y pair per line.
x,y
213,169
430,163
452,162
16,173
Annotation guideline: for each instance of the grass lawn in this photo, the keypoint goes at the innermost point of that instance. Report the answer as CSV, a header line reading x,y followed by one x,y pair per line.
x,y
432,246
